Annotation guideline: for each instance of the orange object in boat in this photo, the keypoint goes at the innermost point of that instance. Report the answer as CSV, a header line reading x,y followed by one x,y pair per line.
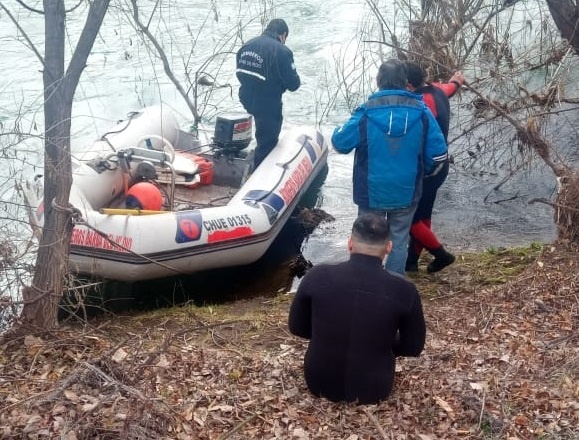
x,y
144,195
205,170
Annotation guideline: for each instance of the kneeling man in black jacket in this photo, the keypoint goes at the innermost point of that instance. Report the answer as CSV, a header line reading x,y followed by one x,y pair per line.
x,y
359,318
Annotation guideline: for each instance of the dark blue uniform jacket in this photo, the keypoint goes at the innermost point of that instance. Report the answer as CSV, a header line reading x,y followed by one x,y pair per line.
x,y
265,70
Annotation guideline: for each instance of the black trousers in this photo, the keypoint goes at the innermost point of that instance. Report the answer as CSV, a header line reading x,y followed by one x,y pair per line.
x,y
267,130
430,187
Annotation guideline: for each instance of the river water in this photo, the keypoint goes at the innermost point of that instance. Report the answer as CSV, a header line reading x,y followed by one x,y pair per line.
x,y
123,75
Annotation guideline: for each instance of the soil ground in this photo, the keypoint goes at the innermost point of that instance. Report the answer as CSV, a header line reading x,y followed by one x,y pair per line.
x,y
501,362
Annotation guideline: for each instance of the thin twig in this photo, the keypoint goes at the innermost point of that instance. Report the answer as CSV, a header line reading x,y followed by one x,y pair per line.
x,y
113,381
237,427
24,34
554,205
12,405
374,420
482,409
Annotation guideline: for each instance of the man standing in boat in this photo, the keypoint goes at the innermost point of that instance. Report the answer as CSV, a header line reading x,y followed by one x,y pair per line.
x,y
265,70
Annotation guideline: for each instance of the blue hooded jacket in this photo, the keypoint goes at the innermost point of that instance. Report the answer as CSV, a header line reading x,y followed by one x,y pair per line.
x,y
397,142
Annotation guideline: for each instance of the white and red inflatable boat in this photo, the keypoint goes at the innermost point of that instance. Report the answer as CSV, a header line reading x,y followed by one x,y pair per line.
x,y
156,201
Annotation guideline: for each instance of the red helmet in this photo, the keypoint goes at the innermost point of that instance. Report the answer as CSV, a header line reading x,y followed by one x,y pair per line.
x,y
144,195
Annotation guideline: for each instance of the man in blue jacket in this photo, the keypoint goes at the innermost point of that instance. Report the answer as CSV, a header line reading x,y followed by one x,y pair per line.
x,y
397,141
358,318
265,70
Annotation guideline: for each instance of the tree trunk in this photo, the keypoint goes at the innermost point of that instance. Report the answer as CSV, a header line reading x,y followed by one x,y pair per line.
x,y
42,298
566,16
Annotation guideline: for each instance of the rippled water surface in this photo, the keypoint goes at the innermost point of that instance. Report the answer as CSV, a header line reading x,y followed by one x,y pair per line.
x,y
120,78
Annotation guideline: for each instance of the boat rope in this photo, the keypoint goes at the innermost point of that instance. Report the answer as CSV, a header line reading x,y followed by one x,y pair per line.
x,y
71,210
285,168
104,138
81,221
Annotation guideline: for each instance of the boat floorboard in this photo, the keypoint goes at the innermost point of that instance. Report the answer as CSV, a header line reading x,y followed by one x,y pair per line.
x,y
203,196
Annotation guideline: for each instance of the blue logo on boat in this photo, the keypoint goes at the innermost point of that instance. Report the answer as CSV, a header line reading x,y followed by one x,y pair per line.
x,y
271,202
189,226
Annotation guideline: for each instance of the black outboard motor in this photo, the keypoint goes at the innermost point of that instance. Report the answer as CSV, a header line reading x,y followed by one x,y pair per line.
x,y
232,133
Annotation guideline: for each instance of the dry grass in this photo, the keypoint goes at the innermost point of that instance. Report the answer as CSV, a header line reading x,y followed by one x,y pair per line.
x,y
501,362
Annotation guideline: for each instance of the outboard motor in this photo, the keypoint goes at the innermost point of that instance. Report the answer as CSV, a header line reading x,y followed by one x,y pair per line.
x,y
232,133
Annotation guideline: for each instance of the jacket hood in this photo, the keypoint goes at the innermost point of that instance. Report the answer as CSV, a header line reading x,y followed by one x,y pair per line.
x,y
394,112
396,92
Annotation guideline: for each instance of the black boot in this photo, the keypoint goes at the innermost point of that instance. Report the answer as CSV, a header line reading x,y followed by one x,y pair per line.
x,y
442,258
412,259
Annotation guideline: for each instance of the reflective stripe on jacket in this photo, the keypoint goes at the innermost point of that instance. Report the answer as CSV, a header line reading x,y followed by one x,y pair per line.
x,y
265,70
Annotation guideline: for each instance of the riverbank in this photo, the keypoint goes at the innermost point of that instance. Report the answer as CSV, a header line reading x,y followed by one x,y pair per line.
x,y
501,362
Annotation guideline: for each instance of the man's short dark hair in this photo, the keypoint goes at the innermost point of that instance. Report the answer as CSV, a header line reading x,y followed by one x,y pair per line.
x,y
371,229
416,74
277,26
392,75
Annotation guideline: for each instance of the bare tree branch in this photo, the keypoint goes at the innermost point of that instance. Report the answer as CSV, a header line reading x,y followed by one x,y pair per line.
x,y
529,135
25,6
75,6
565,13
24,34
166,65
96,14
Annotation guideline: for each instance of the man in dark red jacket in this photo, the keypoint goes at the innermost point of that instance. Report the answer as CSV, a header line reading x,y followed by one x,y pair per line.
x,y
265,70
435,96
359,318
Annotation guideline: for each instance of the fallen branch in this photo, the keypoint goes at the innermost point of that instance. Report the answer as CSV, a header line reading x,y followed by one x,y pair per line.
x,y
553,204
482,410
566,338
237,427
374,420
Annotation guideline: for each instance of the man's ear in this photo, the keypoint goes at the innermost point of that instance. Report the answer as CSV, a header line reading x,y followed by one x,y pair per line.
x,y
386,249
350,244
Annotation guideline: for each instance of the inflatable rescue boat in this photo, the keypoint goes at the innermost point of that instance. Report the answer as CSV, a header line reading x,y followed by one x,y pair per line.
x,y
152,200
